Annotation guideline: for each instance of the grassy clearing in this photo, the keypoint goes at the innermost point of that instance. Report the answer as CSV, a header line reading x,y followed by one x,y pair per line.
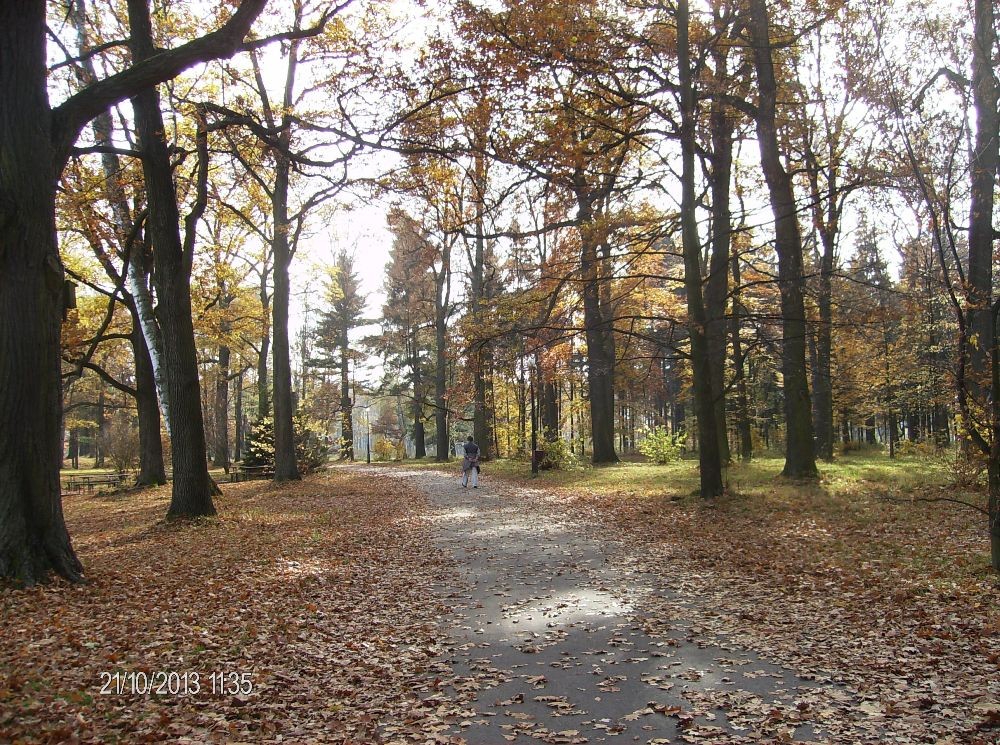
x,y
679,480
861,500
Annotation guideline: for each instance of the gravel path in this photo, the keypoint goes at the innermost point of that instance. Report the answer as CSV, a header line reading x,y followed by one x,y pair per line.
x,y
548,644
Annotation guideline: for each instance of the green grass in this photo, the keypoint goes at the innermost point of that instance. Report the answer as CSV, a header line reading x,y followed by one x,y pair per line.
x,y
679,480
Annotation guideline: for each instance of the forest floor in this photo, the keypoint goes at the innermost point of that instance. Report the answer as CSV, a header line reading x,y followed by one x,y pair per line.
x,y
304,613
389,605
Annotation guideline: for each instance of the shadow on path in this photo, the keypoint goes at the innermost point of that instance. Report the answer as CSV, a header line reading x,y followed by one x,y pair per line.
x,y
546,643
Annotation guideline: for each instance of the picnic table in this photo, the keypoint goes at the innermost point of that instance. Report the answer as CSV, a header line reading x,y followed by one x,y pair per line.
x,y
250,473
89,482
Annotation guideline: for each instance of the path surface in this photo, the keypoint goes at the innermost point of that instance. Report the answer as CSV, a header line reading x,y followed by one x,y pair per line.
x,y
547,644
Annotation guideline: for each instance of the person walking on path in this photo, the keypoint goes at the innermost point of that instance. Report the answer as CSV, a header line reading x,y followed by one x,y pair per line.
x,y
470,463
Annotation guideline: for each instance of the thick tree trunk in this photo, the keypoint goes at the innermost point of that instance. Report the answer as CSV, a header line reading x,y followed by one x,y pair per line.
x,y
482,415
285,467
33,536
346,404
986,156
192,486
419,434
717,286
739,364
74,448
800,453
709,455
238,434
442,299
441,435
481,350
100,428
982,235
600,339
600,371
221,450
550,412
823,373
151,469
263,354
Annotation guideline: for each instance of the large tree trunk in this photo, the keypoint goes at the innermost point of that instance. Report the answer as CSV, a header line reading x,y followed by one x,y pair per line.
x,y
285,467
441,435
717,285
709,456
100,428
419,435
823,374
481,350
600,338
982,315
33,536
550,411
151,470
739,364
35,142
442,299
221,450
600,370
800,453
263,354
192,486
346,403
238,416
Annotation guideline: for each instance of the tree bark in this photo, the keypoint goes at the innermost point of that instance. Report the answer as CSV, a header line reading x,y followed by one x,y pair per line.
x,y
100,429
35,142
823,387
419,434
151,470
709,455
982,313
192,487
739,364
481,350
722,126
441,438
800,453
599,335
285,467
442,298
220,453
238,434
346,403
550,411
33,535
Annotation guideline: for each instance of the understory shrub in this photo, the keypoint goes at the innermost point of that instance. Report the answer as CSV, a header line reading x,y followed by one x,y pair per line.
x,y
662,447
559,455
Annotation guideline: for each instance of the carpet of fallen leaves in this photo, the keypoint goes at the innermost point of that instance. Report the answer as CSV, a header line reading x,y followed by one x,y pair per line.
x,y
894,600
313,605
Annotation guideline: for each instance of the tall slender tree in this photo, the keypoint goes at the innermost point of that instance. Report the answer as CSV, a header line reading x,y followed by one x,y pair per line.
x,y
800,448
